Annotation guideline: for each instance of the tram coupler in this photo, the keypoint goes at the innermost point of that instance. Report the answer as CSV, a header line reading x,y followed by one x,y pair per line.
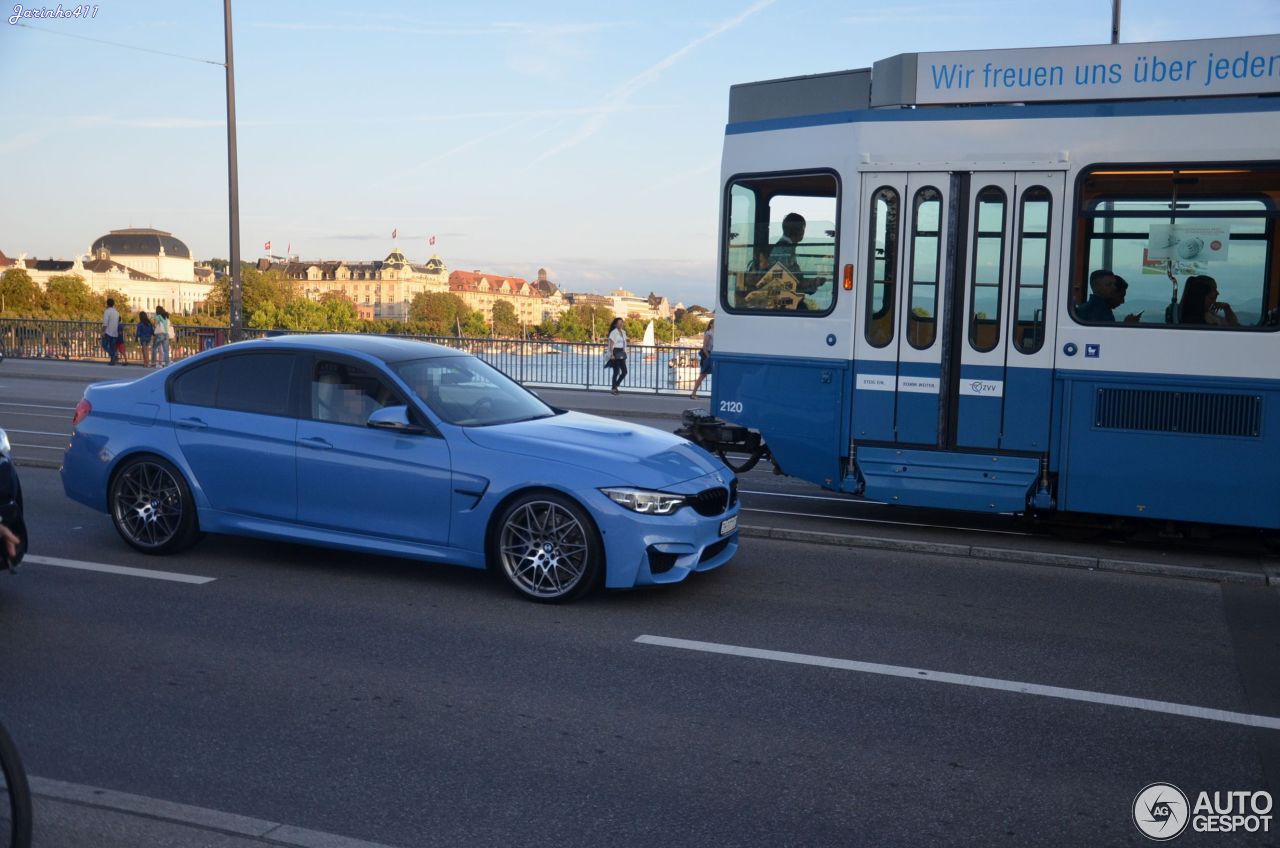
x,y
716,435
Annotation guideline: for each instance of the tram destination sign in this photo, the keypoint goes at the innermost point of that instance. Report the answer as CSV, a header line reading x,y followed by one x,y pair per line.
x,y
1200,68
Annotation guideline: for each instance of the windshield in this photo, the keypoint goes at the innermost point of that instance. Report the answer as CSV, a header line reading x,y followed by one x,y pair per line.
x,y
465,391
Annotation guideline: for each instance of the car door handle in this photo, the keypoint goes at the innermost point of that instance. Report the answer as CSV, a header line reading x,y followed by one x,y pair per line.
x,y
192,423
316,442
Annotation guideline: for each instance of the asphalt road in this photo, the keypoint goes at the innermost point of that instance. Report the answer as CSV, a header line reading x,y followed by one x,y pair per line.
x,y
417,705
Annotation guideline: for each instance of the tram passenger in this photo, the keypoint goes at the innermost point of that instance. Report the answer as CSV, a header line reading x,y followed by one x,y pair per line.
x,y
1108,292
1200,304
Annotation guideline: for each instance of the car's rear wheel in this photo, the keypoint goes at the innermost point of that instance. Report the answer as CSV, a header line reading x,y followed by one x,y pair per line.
x,y
547,548
152,507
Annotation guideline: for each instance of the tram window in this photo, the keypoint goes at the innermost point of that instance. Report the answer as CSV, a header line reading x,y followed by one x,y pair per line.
x,y
988,269
926,237
882,266
1032,270
1160,228
780,243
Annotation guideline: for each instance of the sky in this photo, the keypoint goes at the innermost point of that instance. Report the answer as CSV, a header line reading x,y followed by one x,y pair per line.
x,y
579,137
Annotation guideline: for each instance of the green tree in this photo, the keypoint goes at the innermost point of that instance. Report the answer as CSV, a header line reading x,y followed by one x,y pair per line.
x,y
19,294
69,296
595,318
123,306
439,312
257,290
505,321
473,324
690,324
634,328
569,327
219,265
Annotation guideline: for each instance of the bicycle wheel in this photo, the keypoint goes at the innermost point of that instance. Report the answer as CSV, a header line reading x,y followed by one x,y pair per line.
x,y
15,803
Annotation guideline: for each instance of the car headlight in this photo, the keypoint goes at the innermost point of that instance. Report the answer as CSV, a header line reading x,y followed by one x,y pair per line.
x,y
645,501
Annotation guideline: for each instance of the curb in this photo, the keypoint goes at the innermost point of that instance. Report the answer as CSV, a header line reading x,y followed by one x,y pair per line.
x,y
1269,575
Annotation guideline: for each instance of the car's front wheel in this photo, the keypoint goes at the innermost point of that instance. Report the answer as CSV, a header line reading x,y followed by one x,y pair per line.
x,y
547,548
151,506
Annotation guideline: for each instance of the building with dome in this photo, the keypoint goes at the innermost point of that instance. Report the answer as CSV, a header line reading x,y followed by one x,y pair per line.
x,y
152,252
149,267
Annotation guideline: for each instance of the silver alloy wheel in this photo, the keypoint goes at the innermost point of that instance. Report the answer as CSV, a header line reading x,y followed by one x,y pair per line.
x,y
544,550
148,505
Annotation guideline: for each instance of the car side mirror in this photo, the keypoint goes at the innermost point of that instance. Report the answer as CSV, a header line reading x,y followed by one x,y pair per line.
x,y
393,418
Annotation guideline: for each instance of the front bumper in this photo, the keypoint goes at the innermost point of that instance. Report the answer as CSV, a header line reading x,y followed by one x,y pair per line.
x,y
643,550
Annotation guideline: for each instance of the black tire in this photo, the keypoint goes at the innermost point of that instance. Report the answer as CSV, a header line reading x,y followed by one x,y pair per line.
x,y
151,506
547,548
15,814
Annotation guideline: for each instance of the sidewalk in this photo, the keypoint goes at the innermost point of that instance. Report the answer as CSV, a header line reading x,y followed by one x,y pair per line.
x,y
68,815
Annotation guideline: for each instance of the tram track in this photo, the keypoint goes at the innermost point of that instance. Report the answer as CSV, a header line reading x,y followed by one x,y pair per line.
x,y
783,507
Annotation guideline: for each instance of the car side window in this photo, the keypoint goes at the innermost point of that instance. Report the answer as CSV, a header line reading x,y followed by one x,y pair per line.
x,y
197,386
256,382
343,393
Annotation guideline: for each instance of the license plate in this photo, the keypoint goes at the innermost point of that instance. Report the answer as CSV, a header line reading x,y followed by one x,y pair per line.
x,y
728,525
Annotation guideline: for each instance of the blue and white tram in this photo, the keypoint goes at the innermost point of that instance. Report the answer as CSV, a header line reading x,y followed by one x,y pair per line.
x,y
929,334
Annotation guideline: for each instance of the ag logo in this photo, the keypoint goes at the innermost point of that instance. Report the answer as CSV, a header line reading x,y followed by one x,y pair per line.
x,y
1160,811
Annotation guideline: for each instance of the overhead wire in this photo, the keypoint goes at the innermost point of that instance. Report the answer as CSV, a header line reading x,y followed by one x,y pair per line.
x,y
122,45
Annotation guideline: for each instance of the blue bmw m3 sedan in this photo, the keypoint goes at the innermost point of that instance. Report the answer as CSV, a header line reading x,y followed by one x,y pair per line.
x,y
398,447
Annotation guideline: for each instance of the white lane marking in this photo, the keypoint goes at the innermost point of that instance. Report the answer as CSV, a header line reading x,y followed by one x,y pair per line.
x,y
37,405
201,817
124,570
41,447
1246,719
37,414
886,521
811,497
64,433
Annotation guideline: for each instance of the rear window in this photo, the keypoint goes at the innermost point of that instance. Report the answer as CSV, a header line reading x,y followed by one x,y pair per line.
x,y
197,386
256,382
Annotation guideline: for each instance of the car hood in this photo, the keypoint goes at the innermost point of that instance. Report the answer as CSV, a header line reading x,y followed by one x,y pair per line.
x,y
635,454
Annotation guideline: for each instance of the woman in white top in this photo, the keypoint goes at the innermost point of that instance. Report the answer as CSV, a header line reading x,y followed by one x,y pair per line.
x,y
617,353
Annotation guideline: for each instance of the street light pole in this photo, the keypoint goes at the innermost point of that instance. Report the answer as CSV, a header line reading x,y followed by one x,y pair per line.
x,y
233,178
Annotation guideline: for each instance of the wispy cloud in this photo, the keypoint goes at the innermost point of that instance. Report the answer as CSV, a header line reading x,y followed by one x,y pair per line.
x,y
21,141
615,100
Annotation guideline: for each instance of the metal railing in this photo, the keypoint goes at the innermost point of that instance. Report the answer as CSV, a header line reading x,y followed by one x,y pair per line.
x,y
661,369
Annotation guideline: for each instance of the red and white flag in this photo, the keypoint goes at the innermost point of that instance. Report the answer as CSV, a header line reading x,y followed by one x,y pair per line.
x,y
431,240
395,233
266,245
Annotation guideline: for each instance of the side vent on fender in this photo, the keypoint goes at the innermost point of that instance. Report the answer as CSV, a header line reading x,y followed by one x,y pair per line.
x,y
1200,413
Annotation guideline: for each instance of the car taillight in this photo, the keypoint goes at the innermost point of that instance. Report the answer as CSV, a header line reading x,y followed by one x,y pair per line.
x,y
83,408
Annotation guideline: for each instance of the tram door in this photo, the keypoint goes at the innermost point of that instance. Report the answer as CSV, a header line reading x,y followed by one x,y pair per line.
x,y
955,349
1001,321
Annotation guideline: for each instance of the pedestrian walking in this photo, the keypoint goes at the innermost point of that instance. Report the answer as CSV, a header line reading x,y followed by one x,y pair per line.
x,y
617,360
160,341
146,332
704,356
111,338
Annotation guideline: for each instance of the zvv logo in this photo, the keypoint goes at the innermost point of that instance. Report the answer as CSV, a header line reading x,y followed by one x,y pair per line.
x,y
1160,811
